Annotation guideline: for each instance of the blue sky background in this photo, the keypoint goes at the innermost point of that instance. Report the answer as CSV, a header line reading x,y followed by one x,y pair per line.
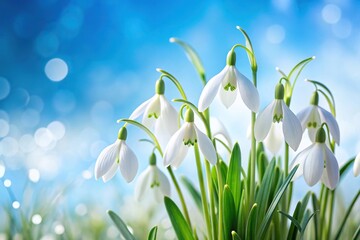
x,y
107,52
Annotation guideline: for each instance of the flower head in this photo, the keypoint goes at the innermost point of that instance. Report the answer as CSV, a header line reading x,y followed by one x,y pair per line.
x,y
277,112
313,116
158,113
228,83
152,178
357,165
188,135
117,155
317,162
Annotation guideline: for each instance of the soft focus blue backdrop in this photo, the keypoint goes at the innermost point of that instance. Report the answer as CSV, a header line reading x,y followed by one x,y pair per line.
x,y
70,69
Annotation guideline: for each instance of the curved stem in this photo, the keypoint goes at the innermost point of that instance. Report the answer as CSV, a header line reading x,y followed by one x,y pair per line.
x,y
203,192
174,80
253,151
220,194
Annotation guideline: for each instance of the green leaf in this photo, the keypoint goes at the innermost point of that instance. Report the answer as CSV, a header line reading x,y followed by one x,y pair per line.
x,y
229,211
248,45
305,222
292,219
153,233
252,223
121,226
292,231
267,219
357,234
193,192
262,196
316,207
193,57
346,167
233,178
181,227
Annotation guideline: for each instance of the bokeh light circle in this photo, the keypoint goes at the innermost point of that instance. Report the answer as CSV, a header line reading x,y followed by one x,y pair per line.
x,y
275,34
4,88
331,13
56,69
34,175
4,128
16,205
36,219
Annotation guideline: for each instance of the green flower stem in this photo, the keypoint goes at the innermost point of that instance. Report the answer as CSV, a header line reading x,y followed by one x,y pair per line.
x,y
331,209
203,192
323,207
158,147
220,194
251,175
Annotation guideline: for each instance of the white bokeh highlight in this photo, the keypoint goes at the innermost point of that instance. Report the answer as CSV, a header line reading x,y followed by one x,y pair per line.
x,y
56,69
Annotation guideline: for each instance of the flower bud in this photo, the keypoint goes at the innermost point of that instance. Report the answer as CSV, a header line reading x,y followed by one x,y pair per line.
x,y
122,133
315,98
279,91
160,87
320,135
231,58
152,159
189,115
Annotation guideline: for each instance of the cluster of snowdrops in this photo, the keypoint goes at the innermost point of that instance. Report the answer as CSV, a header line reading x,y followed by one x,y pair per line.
x,y
236,204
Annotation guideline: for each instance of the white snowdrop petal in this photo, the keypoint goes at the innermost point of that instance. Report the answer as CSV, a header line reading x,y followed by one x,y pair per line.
x,y
164,183
227,97
303,117
106,159
357,165
331,122
140,109
172,148
143,182
211,88
314,164
206,146
300,159
111,173
312,134
168,115
218,128
128,163
291,127
274,139
331,173
263,122
182,150
248,92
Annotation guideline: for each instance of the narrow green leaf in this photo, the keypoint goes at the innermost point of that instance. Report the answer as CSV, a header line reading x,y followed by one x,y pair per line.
x,y
267,219
121,226
153,233
346,167
233,178
192,56
305,222
193,192
292,219
293,230
347,215
252,223
357,234
175,81
316,207
248,45
181,227
229,211
263,193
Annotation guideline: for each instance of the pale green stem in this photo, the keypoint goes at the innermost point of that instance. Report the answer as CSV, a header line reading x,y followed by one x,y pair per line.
x,y
211,196
331,208
203,193
253,151
220,194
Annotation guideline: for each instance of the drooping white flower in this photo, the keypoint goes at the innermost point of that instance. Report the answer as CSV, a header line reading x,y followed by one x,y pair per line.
x,y
158,114
357,165
274,139
152,179
274,113
114,156
317,162
313,116
188,135
228,84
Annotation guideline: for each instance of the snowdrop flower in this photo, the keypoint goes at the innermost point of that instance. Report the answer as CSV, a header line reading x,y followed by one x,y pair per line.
x,y
226,84
274,139
277,112
188,135
152,178
158,113
317,162
313,116
357,165
117,155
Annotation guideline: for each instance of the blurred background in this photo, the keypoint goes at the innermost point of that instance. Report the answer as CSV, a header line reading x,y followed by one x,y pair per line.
x,y
69,69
